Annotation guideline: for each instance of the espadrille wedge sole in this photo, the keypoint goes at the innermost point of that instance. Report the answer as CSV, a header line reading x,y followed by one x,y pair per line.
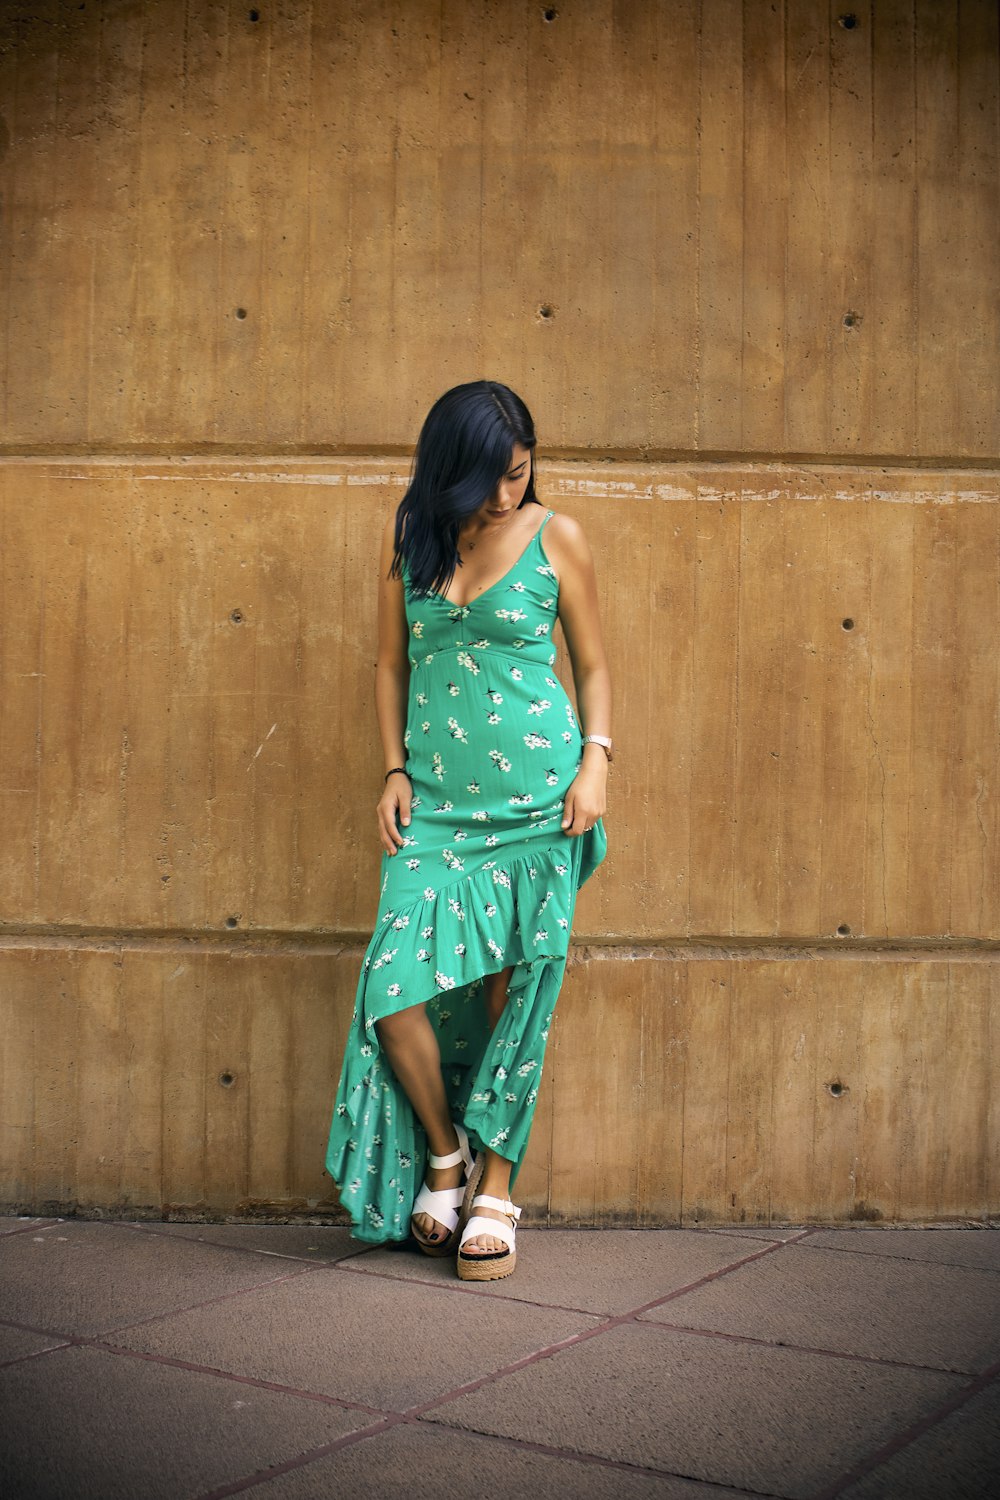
x,y
494,1265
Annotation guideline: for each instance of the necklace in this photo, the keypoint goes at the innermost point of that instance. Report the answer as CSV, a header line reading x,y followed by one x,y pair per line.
x,y
471,546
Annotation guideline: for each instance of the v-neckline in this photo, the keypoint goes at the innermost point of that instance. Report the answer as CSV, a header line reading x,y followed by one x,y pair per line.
x,y
434,594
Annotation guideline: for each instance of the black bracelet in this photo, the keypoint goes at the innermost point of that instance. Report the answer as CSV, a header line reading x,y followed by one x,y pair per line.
x,y
399,768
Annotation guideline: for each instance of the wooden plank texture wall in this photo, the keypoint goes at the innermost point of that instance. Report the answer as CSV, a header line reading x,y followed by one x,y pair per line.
x,y
742,262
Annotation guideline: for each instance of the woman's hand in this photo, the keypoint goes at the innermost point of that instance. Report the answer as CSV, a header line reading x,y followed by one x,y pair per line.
x,y
586,800
393,805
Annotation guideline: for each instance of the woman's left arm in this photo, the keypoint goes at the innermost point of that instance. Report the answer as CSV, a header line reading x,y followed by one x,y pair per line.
x,y
579,616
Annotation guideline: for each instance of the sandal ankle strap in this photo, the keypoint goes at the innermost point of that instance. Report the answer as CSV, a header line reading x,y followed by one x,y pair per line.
x,y
451,1160
460,1154
503,1205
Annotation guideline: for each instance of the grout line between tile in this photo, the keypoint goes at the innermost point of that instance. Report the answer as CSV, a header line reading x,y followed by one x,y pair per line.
x,y
48,1333
205,1243
36,1225
20,1359
861,1359
598,1459
910,1434
264,1476
911,1260
151,1357
473,1289
176,1312
772,1248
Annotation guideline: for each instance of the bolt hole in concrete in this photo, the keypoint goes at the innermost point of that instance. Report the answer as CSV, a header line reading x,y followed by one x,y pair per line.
x,y
847,624
843,930
237,617
550,13
546,312
232,921
837,1089
241,313
852,320
848,21
255,15
227,1080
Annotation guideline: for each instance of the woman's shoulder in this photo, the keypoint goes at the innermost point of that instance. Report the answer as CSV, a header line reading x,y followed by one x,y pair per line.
x,y
566,536
561,524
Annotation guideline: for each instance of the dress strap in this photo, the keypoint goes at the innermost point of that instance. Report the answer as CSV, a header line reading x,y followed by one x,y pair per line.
x,y
548,516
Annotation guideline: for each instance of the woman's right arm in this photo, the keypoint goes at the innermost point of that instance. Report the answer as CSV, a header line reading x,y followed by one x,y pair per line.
x,y
392,682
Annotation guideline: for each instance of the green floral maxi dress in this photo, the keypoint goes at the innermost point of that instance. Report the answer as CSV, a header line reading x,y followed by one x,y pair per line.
x,y
485,878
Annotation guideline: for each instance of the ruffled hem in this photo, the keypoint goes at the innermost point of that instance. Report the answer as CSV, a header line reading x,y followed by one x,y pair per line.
x,y
512,911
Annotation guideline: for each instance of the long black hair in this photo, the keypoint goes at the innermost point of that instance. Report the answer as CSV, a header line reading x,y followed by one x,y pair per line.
x,y
463,452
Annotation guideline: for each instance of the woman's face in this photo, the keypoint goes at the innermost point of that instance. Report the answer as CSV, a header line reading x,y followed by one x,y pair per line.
x,y
510,491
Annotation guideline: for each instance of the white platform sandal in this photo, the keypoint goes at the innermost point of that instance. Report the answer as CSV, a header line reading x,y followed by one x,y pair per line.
x,y
443,1204
490,1265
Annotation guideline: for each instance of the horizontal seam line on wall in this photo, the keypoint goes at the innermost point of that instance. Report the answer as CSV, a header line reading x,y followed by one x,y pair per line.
x,y
582,950
896,462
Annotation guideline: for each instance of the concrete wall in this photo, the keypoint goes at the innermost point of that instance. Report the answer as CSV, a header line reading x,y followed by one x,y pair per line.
x,y
741,261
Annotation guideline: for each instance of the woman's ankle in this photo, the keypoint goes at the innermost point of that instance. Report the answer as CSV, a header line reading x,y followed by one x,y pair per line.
x,y
495,1181
444,1144
494,1187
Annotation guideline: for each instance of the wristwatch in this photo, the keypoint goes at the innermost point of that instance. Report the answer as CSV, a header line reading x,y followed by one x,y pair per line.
x,y
599,739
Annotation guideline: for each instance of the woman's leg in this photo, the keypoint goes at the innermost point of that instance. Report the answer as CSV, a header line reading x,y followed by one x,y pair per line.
x,y
411,1045
495,994
495,1182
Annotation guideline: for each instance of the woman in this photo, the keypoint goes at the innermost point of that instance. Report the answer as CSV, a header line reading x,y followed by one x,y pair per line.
x,y
490,821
